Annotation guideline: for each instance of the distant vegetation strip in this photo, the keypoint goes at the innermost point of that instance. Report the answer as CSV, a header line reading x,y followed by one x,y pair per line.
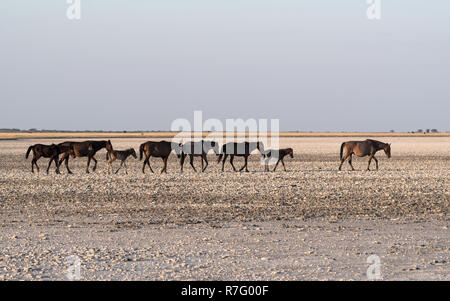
x,y
94,135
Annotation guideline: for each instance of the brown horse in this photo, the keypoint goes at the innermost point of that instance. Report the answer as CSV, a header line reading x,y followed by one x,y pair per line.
x,y
46,151
122,156
362,149
161,149
242,149
278,154
84,149
197,149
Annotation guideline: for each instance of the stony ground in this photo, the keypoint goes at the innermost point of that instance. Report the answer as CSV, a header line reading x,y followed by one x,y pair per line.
x,y
311,222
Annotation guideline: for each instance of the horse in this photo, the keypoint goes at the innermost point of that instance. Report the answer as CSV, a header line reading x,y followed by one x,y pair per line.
x,y
47,151
113,155
361,149
161,149
84,149
242,149
197,149
278,154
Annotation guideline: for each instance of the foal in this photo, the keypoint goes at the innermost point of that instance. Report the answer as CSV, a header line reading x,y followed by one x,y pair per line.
x,y
114,155
277,154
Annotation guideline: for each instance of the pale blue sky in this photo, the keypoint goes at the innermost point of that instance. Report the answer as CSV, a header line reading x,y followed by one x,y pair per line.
x,y
138,65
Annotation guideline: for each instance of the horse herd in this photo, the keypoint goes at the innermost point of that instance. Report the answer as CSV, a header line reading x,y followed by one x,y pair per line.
x,y
163,149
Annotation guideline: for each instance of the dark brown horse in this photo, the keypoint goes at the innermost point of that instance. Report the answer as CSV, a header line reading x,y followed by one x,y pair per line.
x,y
197,149
278,154
362,149
120,155
242,149
46,151
161,149
84,149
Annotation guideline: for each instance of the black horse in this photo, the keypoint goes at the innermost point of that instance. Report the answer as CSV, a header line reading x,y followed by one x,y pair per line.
x,y
242,149
197,149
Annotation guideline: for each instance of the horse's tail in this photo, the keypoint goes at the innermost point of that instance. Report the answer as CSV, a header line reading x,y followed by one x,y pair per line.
x,y
342,150
28,152
141,151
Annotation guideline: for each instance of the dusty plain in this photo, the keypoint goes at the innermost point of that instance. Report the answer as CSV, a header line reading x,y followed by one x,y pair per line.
x,y
309,223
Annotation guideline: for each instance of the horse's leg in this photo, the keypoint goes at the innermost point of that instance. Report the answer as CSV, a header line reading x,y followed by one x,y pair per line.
x,y
95,165
343,160
223,162
350,162
148,163
276,165
88,163
376,161
66,163
56,163
370,160
245,164
191,161
182,161
204,157
126,167
203,164
231,161
121,163
143,166
35,163
32,165
111,165
165,165
49,163
282,162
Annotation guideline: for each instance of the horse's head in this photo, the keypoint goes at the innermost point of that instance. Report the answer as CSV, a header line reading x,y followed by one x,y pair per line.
x,y
177,147
291,152
133,153
260,147
387,150
207,145
108,146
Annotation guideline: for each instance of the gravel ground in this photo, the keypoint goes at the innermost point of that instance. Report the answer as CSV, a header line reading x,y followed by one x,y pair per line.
x,y
311,222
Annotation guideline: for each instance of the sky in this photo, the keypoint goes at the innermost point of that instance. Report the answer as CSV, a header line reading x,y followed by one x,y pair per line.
x,y
316,65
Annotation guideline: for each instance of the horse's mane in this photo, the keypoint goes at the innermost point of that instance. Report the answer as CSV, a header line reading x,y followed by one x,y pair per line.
x,y
378,143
